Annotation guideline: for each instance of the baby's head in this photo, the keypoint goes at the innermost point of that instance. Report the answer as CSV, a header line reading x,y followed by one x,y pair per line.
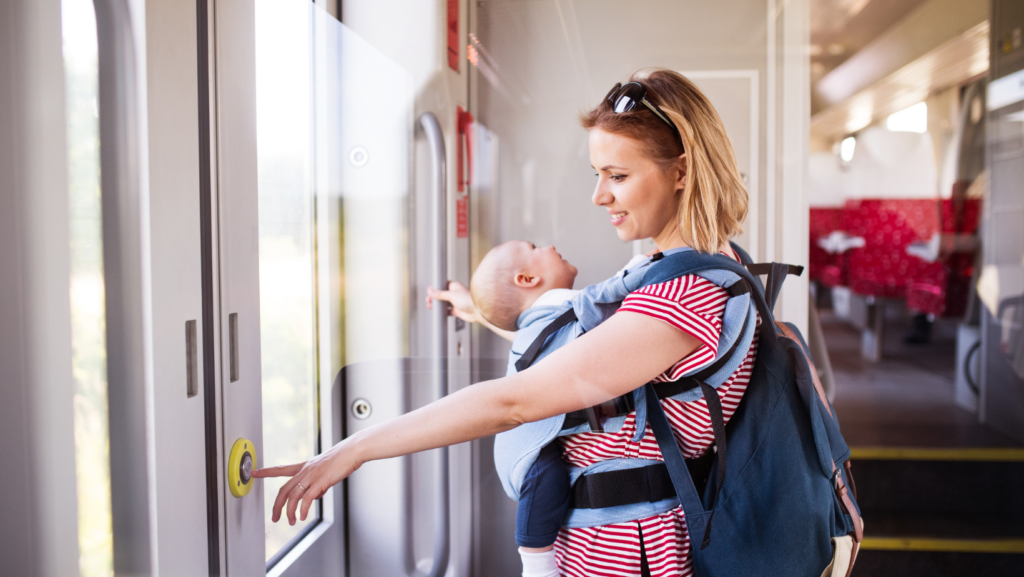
x,y
512,276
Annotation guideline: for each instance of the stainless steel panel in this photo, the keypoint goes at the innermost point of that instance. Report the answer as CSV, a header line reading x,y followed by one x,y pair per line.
x,y
1002,328
236,188
36,435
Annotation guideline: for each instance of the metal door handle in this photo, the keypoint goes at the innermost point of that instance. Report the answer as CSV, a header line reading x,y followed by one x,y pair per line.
x,y
438,175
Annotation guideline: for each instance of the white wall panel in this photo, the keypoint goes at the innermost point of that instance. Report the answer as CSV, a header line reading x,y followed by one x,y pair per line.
x,y
173,126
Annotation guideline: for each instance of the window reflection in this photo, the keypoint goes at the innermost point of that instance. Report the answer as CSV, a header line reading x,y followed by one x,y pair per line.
x,y
286,241
88,327
333,135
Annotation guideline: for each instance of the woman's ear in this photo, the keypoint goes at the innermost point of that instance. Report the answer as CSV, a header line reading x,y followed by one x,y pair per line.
x,y
681,172
526,280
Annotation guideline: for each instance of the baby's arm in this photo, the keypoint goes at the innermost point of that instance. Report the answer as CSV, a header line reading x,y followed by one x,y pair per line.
x,y
464,308
507,335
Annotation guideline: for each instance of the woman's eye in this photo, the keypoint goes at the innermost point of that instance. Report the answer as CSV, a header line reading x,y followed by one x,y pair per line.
x,y
618,177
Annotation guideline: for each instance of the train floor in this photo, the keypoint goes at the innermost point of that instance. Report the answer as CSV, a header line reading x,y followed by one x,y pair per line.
x,y
940,493
907,398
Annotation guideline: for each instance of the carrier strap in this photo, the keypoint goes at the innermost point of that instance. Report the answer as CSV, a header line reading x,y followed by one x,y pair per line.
x,y
524,362
623,487
648,484
683,384
538,343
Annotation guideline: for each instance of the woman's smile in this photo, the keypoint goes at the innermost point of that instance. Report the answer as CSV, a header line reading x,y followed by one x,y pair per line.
x,y
618,217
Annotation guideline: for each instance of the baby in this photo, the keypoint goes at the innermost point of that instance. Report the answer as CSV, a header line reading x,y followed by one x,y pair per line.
x,y
512,279
517,291
520,287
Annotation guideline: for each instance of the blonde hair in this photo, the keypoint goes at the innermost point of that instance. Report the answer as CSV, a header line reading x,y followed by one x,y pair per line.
x,y
714,203
493,292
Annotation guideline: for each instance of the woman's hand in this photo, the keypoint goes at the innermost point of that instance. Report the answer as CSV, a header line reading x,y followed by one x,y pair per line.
x,y
310,480
460,299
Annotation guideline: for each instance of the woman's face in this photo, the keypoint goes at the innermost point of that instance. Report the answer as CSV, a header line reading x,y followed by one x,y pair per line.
x,y
641,197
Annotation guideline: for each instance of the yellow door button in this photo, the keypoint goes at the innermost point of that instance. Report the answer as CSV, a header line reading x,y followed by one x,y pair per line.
x,y
241,464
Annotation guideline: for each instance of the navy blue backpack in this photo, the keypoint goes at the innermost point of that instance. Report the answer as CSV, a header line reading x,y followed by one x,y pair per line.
x,y
778,489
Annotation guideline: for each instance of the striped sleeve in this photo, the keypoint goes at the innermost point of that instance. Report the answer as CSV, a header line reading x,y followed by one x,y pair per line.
x,y
689,303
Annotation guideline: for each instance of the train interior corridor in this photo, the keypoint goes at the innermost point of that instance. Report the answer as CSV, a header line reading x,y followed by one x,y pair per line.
x,y
222,221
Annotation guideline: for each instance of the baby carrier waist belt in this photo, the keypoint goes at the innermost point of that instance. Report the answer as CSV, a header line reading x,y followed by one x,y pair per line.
x,y
641,485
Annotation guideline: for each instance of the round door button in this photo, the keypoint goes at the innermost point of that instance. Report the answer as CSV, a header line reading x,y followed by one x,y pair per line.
x,y
241,464
245,470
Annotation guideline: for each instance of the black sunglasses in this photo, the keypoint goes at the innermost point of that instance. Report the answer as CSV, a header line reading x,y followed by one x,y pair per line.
x,y
625,97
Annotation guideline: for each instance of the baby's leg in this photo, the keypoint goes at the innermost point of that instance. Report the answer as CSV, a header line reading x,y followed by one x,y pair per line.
x,y
539,564
543,502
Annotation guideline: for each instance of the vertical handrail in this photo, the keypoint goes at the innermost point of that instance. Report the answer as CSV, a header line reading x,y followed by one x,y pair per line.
x,y
126,217
439,279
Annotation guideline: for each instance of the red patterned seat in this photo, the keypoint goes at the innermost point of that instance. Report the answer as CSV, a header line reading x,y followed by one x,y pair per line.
x,y
946,293
882,268
823,266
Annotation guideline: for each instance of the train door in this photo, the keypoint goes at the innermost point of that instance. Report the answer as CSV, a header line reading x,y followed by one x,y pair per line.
x,y
333,215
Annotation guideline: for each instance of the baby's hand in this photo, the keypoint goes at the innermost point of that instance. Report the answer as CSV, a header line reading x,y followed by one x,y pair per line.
x,y
460,299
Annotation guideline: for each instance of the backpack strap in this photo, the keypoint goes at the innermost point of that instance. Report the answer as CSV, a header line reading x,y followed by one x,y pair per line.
x,y
776,276
700,530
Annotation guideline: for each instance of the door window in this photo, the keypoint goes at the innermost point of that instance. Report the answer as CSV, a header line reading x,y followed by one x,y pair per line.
x,y
287,248
88,326
334,131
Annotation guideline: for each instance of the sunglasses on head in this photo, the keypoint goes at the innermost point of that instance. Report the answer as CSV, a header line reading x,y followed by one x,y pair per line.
x,y
625,97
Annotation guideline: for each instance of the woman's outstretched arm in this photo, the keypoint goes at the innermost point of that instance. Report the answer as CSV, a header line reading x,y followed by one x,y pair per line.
x,y
618,356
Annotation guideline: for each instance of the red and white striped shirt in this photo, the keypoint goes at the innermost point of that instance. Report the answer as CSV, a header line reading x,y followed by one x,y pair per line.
x,y
696,306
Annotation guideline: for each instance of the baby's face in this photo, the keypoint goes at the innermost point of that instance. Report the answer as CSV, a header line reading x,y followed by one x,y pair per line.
x,y
544,262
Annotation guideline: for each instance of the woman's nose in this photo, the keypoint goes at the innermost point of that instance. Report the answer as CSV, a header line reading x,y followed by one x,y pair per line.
x,y
602,196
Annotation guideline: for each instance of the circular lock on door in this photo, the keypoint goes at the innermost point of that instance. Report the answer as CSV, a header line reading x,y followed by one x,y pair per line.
x,y
241,464
358,156
362,409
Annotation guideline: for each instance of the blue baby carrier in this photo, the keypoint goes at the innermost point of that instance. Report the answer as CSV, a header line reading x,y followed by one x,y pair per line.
x,y
775,486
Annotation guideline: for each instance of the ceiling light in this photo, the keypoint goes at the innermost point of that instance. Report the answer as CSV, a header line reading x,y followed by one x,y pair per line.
x,y
913,119
847,147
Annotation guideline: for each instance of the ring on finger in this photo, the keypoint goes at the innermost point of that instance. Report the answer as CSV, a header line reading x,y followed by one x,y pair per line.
x,y
301,487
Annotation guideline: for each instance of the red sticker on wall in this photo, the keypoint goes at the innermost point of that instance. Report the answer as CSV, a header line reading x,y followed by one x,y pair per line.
x,y
462,217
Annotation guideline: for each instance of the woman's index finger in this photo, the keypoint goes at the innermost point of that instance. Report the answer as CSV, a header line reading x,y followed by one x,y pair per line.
x,y
281,471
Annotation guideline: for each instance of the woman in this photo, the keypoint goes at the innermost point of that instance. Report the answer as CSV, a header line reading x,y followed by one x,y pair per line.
x,y
666,171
